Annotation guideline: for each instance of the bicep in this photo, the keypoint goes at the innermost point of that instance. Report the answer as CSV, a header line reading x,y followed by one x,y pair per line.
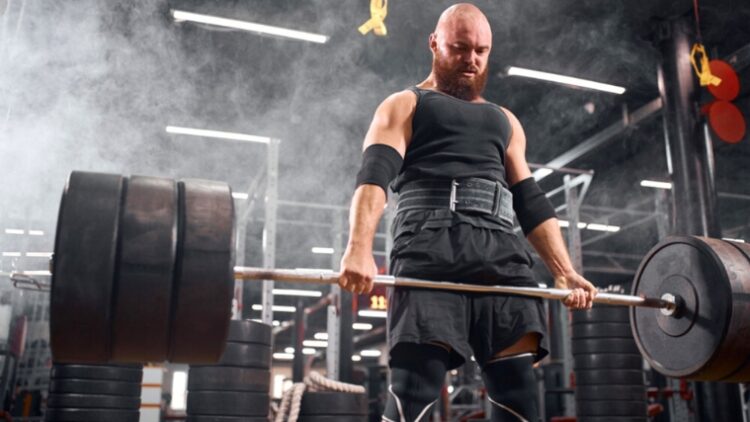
x,y
516,167
391,124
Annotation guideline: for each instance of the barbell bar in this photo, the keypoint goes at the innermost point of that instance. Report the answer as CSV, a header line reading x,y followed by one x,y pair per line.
x,y
143,271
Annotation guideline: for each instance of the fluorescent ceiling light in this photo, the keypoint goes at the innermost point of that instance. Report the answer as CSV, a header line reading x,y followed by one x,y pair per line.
x,y
603,227
12,254
276,323
370,353
36,233
734,240
289,350
372,314
542,173
566,80
356,358
239,195
37,272
14,231
217,134
362,326
295,292
315,343
38,254
283,356
656,184
275,308
180,15
320,336
321,250
308,351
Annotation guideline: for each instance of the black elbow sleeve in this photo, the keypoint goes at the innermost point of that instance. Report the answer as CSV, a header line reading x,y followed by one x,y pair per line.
x,y
530,204
380,165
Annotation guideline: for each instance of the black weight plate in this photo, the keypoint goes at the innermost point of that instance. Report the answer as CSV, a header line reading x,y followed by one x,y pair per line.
x,y
98,372
246,355
224,378
97,401
613,419
611,408
333,418
608,361
114,388
333,403
148,240
227,403
204,278
683,346
91,415
602,330
601,313
84,266
603,345
611,392
248,331
611,377
198,418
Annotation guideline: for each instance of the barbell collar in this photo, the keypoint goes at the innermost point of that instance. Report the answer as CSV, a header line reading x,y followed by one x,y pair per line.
x,y
332,277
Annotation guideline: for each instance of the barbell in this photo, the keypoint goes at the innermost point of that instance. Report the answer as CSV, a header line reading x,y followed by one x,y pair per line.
x,y
143,270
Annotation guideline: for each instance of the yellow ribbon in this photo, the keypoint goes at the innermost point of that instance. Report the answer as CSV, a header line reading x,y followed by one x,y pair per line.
x,y
704,70
378,12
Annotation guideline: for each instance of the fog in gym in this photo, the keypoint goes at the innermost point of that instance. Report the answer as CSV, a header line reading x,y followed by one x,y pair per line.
x,y
132,87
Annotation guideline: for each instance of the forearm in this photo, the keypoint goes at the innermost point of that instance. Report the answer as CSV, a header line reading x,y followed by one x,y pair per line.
x,y
365,212
547,239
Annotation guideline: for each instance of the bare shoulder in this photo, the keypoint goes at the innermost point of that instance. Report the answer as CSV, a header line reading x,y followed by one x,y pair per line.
x,y
402,101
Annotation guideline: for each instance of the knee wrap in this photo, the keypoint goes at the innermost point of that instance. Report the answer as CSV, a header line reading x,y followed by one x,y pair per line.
x,y
417,376
512,390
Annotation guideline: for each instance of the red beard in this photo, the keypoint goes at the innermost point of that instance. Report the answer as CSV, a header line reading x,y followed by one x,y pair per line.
x,y
453,82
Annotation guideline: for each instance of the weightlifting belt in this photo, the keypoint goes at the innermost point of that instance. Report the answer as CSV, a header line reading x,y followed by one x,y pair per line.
x,y
470,194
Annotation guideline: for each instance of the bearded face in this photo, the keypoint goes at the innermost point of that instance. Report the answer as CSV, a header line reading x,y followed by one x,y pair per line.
x,y
456,78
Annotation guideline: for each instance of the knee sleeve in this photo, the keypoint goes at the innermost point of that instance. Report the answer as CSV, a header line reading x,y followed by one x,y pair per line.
x,y
417,376
512,389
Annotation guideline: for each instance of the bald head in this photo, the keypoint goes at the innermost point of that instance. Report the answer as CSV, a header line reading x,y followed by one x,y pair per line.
x,y
464,18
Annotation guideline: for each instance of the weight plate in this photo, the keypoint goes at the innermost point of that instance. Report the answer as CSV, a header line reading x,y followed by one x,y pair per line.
x,y
333,418
333,403
611,392
98,372
84,266
204,278
248,331
608,361
602,330
114,388
609,376
611,408
92,415
148,239
601,313
603,345
705,340
742,373
613,419
246,355
227,378
227,403
195,418
93,400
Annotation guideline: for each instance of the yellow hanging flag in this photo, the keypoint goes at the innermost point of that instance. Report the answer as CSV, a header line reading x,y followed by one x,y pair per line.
x,y
378,12
704,72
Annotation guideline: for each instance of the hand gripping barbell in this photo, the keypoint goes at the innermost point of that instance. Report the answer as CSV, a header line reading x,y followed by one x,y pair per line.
x,y
143,271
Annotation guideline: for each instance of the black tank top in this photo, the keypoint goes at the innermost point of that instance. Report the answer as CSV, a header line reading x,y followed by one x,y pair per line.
x,y
453,138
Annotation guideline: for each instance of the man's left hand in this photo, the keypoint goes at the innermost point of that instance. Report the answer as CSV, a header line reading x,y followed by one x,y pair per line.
x,y
582,291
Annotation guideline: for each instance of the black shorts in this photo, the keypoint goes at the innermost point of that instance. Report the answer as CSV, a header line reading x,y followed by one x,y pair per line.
x,y
430,247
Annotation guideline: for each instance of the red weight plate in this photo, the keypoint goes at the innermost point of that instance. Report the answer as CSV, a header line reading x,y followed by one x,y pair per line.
x,y
729,87
727,121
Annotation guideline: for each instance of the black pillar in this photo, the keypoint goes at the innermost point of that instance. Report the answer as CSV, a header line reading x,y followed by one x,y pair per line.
x,y
346,345
690,161
300,326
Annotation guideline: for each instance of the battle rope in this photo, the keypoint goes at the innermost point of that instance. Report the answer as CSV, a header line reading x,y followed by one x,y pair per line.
x,y
291,401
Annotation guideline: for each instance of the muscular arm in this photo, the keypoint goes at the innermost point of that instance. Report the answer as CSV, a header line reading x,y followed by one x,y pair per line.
x,y
391,125
546,238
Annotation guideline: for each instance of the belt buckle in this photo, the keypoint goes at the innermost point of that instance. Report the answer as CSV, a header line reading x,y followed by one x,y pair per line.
x,y
453,200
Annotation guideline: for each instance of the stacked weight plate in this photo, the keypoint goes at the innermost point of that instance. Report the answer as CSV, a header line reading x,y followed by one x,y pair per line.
x,y
237,388
333,406
608,367
84,393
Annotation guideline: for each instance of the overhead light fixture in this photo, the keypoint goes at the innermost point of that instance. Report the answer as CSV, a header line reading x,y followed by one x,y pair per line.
x,y
181,16
289,350
37,272
371,314
370,353
240,195
566,223
296,292
38,254
283,356
275,308
602,227
362,326
320,336
14,231
542,173
12,254
308,351
734,240
565,80
356,358
36,233
322,250
315,343
656,184
231,136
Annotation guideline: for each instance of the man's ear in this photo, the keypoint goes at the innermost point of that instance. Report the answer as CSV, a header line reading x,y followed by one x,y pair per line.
x,y
433,42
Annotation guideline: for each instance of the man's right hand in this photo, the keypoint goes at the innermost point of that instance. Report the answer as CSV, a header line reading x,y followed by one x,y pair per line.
x,y
358,270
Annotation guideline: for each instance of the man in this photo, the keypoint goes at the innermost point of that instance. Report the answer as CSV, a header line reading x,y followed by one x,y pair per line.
x,y
456,159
